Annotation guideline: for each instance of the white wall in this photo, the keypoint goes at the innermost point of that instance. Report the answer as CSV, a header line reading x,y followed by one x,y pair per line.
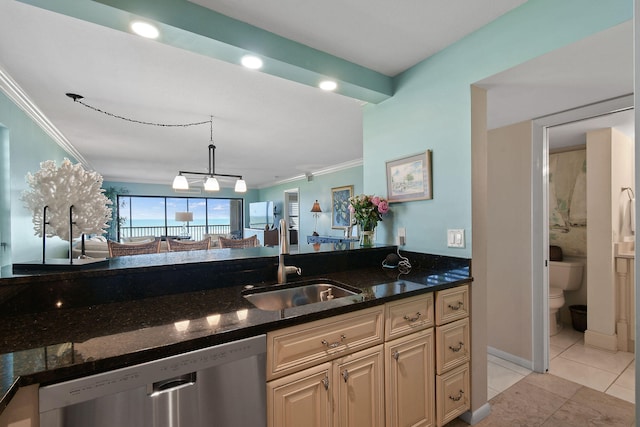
x,y
610,157
509,290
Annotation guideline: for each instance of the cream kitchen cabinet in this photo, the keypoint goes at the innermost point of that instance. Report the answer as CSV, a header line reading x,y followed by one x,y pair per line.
x,y
409,380
453,353
346,392
394,365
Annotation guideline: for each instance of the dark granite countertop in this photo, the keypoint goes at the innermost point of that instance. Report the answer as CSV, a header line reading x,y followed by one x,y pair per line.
x,y
95,321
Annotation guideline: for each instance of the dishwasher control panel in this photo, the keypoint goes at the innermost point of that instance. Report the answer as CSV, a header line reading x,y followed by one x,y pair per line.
x,y
87,388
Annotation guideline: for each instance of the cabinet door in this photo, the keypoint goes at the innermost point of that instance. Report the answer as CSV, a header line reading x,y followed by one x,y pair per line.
x,y
300,399
358,390
409,380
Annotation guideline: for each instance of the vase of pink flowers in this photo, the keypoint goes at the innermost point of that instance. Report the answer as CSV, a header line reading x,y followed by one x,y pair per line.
x,y
367,211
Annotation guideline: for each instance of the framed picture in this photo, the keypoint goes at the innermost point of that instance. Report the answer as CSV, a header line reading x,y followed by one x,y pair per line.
x,y
409,178
340,215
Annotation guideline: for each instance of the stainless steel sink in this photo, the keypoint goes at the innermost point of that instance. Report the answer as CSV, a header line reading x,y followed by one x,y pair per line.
x,y
278,297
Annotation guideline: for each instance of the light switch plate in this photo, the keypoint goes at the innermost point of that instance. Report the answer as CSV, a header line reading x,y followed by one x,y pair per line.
x,y
402,236
455,238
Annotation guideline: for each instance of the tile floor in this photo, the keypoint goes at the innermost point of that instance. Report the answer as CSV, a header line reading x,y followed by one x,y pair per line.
x,y
612,373
586,387
546,400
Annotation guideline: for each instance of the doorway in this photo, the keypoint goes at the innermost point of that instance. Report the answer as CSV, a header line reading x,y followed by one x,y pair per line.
x,y
291,211
540,214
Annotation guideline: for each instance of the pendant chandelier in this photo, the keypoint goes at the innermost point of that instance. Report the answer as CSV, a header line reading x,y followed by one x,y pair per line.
x,y
180,182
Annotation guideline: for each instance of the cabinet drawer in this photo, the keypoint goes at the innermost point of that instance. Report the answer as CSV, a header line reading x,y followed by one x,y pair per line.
x,y
452,345
452,304
301,346
408,315
452,394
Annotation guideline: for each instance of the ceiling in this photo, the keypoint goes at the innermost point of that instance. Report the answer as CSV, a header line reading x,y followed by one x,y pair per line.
x,y
594,69
267,128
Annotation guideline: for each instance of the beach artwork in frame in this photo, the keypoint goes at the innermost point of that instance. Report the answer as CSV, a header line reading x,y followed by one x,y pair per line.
x,y
409,178
340,215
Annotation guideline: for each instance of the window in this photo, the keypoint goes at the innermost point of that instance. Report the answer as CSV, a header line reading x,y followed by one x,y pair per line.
x,y
156,216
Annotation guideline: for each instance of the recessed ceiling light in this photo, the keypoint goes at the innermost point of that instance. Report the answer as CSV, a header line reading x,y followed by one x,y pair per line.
x,y
145,29
328,85
252,62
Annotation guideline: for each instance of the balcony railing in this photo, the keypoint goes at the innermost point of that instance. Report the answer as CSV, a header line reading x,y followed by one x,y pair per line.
x,y
196,232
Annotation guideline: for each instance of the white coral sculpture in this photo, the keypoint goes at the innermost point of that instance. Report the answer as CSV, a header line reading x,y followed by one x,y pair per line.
x,y
61,188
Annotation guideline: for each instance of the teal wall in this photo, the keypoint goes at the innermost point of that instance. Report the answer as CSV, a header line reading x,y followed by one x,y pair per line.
x,y
28,146
319,187
431,109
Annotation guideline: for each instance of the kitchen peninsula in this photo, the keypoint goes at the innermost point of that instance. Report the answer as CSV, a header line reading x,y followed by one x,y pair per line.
x,y
62,326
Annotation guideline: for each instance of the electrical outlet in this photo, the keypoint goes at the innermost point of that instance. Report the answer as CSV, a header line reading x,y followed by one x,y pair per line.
x,y
455,238
402,236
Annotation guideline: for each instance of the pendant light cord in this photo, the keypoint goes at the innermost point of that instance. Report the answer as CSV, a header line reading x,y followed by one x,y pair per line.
x,y
78,99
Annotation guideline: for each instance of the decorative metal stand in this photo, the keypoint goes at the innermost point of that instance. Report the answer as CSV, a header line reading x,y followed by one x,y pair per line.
x,y
59,264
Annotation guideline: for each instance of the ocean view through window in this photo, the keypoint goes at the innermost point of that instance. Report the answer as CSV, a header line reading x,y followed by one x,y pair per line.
x,y
139,216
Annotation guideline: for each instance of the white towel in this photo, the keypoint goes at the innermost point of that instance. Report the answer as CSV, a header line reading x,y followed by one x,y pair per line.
x,y
578,205
632,215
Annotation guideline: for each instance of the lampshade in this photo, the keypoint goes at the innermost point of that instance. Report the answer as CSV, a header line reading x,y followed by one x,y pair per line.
x,y
211,184
184,216
316,207
180,183
241,186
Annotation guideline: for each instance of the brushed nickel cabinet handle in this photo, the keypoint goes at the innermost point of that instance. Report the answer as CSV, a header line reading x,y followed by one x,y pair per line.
x,y
458,397
396,355
325,383
345,375
456,349
456,307
334,344
412,319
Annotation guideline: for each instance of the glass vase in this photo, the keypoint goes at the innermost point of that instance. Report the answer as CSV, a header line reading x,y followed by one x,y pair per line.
x,y
367,238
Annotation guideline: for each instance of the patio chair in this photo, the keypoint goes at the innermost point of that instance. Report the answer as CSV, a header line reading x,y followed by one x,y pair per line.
x,y
188,245
122,249
249,242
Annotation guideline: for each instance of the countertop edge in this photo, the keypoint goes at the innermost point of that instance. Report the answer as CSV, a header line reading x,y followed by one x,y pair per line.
x,y
115,362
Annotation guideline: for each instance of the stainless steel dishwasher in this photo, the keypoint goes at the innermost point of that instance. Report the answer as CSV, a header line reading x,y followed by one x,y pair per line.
x,y
221,386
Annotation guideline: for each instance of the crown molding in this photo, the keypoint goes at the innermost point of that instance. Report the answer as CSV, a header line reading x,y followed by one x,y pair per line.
x,y
19,97
331,169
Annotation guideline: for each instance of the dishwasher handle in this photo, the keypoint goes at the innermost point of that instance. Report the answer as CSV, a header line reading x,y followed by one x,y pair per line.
x,y
171,384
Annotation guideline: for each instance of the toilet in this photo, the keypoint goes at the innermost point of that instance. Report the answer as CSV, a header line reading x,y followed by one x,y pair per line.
x,y
563,276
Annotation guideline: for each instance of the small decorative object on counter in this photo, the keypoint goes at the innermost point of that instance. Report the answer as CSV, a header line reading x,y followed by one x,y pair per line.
x,y
59,189
67,202
367,211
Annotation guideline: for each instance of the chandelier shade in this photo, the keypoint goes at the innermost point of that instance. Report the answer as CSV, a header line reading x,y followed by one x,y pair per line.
x,y
180,183
241,186
211,184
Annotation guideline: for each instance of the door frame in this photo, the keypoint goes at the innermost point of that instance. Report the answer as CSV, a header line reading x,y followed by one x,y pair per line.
x,y
540,217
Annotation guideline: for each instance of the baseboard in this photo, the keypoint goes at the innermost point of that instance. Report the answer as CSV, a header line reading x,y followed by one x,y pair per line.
x,y
601,341
476,416
528,364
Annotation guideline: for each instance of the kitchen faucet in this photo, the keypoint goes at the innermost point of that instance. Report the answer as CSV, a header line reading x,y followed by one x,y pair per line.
x,y
283,270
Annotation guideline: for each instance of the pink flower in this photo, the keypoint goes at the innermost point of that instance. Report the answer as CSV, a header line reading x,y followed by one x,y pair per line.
x,y
352,209
383,207
375,200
